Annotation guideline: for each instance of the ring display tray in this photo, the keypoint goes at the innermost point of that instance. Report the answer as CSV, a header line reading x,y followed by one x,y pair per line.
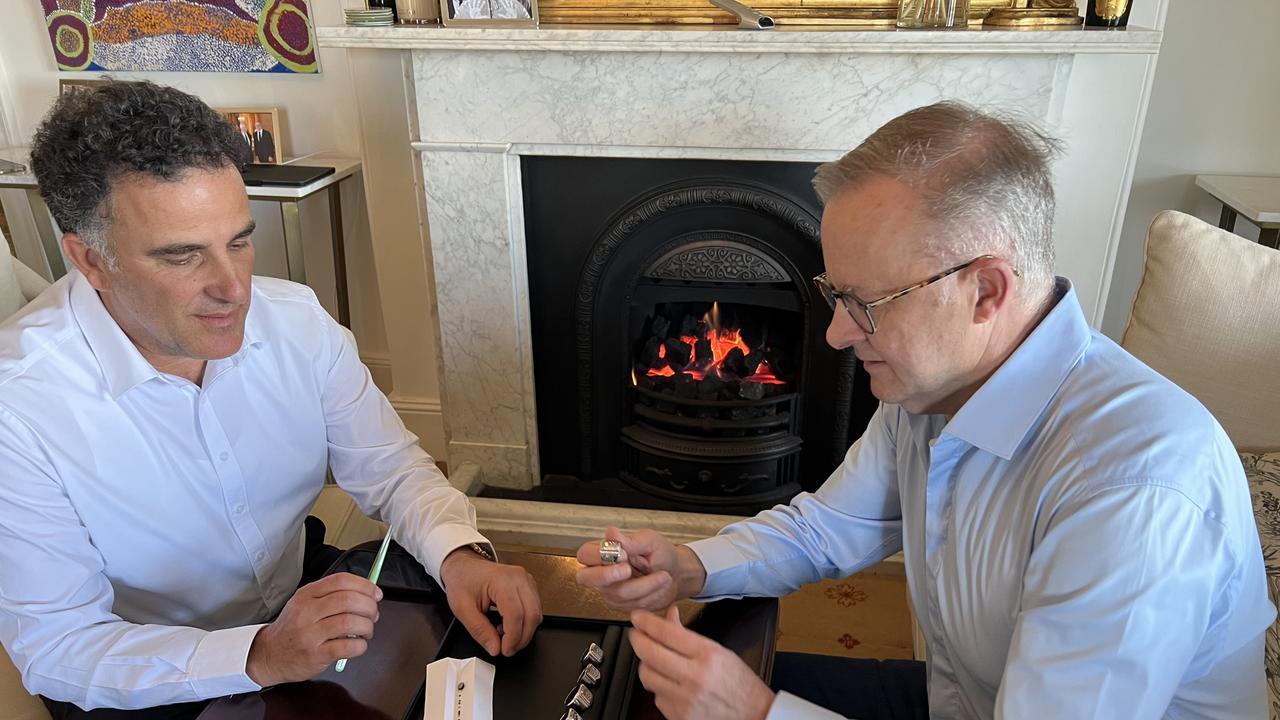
x,y
533,683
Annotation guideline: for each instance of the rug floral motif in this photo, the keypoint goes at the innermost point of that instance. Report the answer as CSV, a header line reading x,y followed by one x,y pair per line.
x,y
1263,472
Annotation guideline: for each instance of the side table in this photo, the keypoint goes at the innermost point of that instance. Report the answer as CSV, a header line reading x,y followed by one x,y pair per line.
x,y
288,198
1257,198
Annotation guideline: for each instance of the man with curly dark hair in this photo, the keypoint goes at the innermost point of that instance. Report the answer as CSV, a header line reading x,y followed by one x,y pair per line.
x,y
166,422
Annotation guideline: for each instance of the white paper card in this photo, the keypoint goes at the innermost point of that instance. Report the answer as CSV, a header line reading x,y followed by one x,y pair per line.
x,y
459,690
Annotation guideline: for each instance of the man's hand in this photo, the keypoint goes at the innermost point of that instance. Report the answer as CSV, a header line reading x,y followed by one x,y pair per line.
x,y
693,677
473,584
652,575
328,619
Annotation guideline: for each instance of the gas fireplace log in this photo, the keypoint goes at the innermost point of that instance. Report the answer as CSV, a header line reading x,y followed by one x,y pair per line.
x,y
660,327
649,355
678,353
735,362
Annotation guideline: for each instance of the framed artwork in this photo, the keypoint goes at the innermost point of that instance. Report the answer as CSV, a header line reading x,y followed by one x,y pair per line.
x,y
260,128
191,35
66,85
489,13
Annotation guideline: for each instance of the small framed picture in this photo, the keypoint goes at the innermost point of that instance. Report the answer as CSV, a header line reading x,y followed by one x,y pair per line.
x,y
489,13
260,128
67,85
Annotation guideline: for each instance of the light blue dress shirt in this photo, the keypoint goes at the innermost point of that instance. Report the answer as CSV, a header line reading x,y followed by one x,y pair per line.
x,y
1078,538
149,525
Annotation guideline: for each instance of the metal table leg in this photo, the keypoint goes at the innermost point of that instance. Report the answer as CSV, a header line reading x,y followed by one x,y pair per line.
x,y
293,241
1270,237
339,254
1227,221
50,238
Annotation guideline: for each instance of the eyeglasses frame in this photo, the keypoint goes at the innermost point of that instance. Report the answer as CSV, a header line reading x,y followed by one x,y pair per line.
x,y
834,296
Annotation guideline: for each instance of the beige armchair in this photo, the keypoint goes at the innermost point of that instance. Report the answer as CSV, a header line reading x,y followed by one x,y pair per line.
x,y
18,286
1207,316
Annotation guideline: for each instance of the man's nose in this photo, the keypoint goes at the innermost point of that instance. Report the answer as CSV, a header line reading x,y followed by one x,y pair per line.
x,y
227,281
843,332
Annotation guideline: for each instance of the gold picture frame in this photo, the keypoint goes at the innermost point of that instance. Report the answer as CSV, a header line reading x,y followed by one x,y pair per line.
x,y
262,132
489,13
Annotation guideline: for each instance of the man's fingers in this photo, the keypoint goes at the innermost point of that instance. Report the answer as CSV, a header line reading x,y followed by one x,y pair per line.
x,y
670,633
339,582
589,553
532,603
345,626
657,683
603,576
343,602
641,587
478,626
511,608
658,657
344,647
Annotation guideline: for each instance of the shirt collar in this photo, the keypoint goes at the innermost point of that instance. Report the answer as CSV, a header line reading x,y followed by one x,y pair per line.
x,y
1018,392
123,366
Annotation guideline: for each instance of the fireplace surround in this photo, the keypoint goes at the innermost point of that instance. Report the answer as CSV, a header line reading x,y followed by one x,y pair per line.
x,y
481,100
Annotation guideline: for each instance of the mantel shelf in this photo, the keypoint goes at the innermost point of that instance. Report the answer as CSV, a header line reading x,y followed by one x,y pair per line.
x,y
725,39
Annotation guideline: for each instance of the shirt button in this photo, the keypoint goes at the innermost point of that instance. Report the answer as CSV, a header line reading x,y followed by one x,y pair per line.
x,y
259,556
223,456
239,509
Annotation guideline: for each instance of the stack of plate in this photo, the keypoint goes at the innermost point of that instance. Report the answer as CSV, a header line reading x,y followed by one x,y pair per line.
x,y
370,17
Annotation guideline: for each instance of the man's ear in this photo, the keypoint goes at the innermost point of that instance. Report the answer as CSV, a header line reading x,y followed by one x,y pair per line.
x,y
995,290
88,261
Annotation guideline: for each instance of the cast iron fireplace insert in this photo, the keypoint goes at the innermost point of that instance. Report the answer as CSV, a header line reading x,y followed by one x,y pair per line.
x,y
679,347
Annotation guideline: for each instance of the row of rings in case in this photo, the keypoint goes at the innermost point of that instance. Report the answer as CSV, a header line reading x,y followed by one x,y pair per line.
x,y
590,676
593,655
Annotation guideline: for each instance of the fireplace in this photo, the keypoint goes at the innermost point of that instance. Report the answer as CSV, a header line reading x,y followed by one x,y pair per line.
x,y
678,344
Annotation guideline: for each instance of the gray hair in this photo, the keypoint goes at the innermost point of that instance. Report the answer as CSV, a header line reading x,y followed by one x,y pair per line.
x,y
91,139
985,178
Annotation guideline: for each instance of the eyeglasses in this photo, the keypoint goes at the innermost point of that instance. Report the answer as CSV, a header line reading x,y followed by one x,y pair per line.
x,y
861,314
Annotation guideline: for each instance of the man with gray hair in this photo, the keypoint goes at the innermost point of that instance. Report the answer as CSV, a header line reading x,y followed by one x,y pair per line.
x,y
166,422
1077,531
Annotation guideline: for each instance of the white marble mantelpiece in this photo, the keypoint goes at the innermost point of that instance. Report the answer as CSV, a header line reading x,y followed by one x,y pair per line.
x,y
486,97
724,39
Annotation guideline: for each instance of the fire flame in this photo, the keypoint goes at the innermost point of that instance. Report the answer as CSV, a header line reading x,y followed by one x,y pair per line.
x,y
722,341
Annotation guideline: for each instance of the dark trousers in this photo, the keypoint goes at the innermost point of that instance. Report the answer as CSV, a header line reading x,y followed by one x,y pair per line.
x,y
316,560
855,688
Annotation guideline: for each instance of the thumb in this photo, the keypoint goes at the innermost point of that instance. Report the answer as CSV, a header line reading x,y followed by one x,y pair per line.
x,y
478,625
673,614
639,547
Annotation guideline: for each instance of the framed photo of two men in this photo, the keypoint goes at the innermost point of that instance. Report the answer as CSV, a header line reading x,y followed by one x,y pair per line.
x,y
260,128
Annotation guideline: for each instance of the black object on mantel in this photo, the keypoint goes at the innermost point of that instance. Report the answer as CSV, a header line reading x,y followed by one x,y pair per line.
x,y
390,4
286,175
1107,13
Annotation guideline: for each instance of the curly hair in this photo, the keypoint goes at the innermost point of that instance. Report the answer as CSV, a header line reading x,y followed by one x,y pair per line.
x,y
91,139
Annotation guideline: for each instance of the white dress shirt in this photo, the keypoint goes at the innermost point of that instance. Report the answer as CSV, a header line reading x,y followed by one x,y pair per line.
x,y
1079,541
148,525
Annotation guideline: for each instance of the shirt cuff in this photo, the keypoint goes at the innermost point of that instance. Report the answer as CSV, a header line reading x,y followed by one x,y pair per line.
x,y
444,539
218,664
789,707
726,568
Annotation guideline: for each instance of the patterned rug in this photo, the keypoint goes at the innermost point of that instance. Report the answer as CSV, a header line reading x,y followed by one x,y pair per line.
x,y
864,616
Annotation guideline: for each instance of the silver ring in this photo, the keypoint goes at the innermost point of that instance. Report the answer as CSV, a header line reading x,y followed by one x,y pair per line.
x,y
590,676
571,714
593,655
579,699
610,551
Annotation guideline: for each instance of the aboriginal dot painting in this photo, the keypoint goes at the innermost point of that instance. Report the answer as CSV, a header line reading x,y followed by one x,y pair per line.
x,y
191,35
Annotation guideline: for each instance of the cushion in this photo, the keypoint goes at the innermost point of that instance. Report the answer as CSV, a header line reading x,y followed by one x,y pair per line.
x,y
1205,317
11,297
1263,472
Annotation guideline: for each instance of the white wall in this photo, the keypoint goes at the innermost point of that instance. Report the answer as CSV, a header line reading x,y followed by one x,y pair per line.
x,y
1215,109
319,113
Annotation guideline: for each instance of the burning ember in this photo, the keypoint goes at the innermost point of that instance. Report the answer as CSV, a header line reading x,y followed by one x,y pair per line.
x,y
706,349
